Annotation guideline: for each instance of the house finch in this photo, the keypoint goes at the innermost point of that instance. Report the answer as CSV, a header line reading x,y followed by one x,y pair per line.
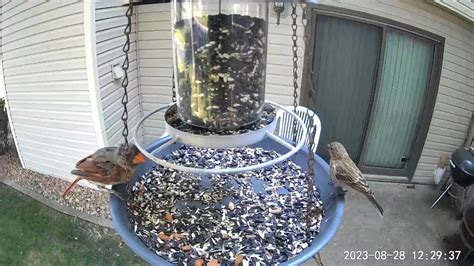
x,y
108,166
343,169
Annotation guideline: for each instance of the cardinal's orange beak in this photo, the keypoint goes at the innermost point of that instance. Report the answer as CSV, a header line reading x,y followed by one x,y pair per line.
x,y
139,159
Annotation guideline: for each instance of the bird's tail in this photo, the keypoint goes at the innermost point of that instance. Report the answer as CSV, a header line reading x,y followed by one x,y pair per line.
x,y
374,202
71,186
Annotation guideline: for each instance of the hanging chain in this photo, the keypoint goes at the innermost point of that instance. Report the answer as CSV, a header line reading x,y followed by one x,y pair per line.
x,y
173,89
125,65
312,128
294,37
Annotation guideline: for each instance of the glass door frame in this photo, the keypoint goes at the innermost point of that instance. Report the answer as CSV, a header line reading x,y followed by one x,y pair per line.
x,y
309,90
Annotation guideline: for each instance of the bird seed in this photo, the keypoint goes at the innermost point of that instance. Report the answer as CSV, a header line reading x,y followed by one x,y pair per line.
x,y
253,218
172,118
221,62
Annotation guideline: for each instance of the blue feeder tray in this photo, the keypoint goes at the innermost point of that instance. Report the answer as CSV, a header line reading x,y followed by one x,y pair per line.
x,y
331,196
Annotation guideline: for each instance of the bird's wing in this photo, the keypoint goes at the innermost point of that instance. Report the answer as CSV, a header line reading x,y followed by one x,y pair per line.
x,y
117,176
90,165
105,154
332,170
101,155
347,172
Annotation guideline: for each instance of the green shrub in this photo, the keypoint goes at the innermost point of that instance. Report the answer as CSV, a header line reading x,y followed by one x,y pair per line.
x,y
3,127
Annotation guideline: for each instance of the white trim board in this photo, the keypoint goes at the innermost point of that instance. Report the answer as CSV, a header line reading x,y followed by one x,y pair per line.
x,y
92,77
462,8
10,120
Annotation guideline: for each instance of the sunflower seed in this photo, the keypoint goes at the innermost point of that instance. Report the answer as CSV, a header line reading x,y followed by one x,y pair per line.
x,y
264,227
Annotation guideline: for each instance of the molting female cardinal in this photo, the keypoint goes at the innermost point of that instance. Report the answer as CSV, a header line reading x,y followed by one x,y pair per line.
x,y
108,166
343,169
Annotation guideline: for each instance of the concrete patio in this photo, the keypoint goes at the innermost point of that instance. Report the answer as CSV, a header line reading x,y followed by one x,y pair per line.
x,y
409,224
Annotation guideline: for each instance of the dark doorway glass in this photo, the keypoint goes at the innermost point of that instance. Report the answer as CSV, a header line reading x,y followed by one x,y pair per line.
x,y
346,58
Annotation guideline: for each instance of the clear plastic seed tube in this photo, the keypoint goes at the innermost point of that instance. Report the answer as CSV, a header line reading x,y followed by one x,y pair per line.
x,y
219,56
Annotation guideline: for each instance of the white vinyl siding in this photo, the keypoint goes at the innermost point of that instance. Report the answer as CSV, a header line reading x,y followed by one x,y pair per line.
x,y
454,103
0,24
455,100
155,56
110,25
2,86
279,82
46,84
47,88
463,8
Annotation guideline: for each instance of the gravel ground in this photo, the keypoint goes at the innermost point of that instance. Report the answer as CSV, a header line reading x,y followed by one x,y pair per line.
x,y
80,198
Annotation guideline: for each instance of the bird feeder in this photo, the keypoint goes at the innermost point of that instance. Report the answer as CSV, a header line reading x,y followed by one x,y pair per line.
x,y
220,58
220,54
220,51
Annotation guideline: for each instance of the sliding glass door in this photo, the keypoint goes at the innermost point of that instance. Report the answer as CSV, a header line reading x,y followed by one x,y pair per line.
x,y
345,75
372,90
399,104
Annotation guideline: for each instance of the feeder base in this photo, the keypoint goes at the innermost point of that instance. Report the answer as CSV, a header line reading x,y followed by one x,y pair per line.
x,y
331,196
222,141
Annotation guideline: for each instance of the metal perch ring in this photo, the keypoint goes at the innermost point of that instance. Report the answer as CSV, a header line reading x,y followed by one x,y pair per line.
x,y
186,138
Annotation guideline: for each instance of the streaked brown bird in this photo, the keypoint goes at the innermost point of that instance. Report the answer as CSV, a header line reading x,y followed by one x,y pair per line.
x,y
108,166
343,169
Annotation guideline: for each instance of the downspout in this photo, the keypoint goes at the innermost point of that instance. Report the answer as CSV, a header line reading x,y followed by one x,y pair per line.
x,y
92,77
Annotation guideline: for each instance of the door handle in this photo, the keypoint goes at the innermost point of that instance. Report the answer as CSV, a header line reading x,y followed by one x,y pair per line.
x,y
404,160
